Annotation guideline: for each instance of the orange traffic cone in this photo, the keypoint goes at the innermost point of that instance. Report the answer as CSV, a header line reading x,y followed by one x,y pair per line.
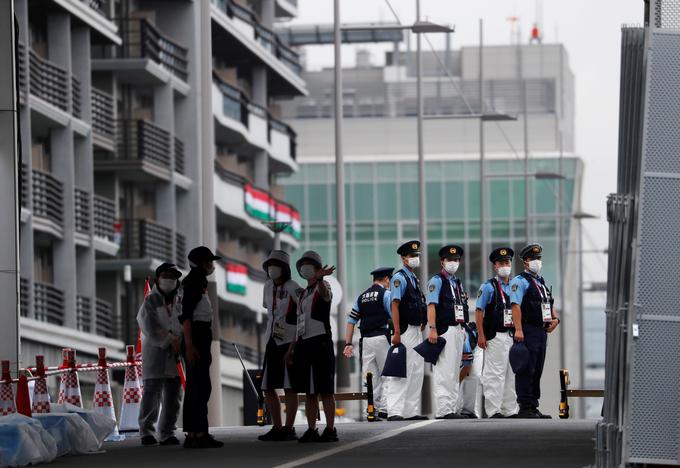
x,y
6,392
23,397
69,390
41,399
132,396
102,402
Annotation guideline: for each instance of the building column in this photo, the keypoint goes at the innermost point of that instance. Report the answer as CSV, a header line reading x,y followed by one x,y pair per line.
x,y
261,158
164,117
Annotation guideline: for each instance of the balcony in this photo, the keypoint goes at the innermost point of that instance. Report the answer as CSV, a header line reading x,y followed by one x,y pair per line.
x,y
94,14
143,238
247,353
82,211
83,313
179,156
24,300
48,303
104,217
24,186
48,202
103,119
180,250
107,323
242,35
21,70
241,293
50,82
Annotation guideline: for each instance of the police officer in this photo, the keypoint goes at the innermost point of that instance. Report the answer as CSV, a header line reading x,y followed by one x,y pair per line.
x,y
533,317
408,316
493,316
372,310
196,319
447,314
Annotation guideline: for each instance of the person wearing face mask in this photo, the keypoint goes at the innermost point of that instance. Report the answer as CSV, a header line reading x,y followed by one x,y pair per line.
x,y
372,311
161,339
447,315
533,318
403,396
312,355
196,318
280,299
493,316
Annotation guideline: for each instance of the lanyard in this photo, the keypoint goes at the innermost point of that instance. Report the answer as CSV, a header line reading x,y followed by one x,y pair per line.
x,y
274,299
500,288
541,291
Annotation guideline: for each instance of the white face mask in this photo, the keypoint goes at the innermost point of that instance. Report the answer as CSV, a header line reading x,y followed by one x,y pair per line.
x,y
307,271
535,266
451,267
414,262
210,270
167,285
504,271
274,272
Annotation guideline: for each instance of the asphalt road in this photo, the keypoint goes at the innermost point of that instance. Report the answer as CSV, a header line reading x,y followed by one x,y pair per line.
x,y
478,443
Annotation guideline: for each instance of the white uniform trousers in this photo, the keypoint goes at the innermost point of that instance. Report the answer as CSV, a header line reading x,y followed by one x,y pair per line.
x,y
471,388
446,372
373,354
403,396
498,380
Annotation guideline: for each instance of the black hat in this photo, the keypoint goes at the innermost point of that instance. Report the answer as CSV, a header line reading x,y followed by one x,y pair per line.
x,y
395,363
168,267
276,256
519,357
201,254
382,272
534,250
409,248
501,253
309,256
430,352
451,251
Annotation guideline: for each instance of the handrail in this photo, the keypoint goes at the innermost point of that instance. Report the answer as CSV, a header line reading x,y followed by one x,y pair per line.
x,y
48,303
48,197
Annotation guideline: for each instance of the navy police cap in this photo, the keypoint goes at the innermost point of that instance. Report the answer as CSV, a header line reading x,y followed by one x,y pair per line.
x,y
409,247
533,250
429,351
382,272
450,251
501,253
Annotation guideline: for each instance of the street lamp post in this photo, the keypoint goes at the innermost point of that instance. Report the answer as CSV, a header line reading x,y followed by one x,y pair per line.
x,y
482,188
422,205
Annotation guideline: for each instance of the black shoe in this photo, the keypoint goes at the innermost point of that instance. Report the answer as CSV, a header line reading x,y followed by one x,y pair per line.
x,y
310,435
453,416
527,413
382,414
189,442
468,414
329,435
273,434
395,418
148,441
207,441
541,415
287,434
172,440
419,417
497,416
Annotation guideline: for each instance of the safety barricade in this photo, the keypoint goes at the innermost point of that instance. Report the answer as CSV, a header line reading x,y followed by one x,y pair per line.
x,y
566,392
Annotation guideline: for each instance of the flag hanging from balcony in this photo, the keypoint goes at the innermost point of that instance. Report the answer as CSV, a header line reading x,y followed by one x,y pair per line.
x,y
258,203
288,214
237,278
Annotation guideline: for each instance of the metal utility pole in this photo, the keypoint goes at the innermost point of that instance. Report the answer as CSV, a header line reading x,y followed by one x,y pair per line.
x,y
560,209
422,204
523,102
9,188
342,370
482,180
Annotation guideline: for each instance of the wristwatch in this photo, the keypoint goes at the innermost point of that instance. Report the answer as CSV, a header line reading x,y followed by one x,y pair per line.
x,y
433,327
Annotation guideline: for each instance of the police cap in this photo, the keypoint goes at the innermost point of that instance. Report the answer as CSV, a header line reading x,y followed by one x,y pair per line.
x,y
451,251
382,272
534,250
409,247
501,253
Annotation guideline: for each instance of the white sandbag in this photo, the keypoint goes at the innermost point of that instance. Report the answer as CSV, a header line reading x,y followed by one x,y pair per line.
x,y
101,425
72,434
23,441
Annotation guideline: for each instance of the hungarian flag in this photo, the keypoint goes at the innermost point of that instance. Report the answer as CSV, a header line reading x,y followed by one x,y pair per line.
x,y
258,203
237,278
288,214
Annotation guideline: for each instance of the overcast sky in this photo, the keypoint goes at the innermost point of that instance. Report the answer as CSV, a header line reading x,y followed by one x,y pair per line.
x,y
590,31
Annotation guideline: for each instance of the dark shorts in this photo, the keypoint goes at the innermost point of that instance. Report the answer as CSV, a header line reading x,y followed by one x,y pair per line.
x,y
275,373
314,366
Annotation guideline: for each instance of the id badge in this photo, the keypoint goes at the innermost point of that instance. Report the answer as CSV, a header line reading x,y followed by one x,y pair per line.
x,y
507,318
460,314
279,331
547,313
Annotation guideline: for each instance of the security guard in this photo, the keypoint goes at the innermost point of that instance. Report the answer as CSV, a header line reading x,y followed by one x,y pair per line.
x,y
533,317
372,310
408,316
447,314
493,316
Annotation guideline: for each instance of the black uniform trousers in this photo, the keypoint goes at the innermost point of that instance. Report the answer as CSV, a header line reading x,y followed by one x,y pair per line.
x,y
528,382
197,393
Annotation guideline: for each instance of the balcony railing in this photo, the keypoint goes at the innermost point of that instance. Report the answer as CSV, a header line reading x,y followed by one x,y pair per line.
x,y
21,67
143,238
23,296
266,37
75,97
141,39
82,218
104,217
107,323
100,6
48,197
247,353
83,313
103,122
48,81
141,140
181,250
48,303
24,185
179,155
